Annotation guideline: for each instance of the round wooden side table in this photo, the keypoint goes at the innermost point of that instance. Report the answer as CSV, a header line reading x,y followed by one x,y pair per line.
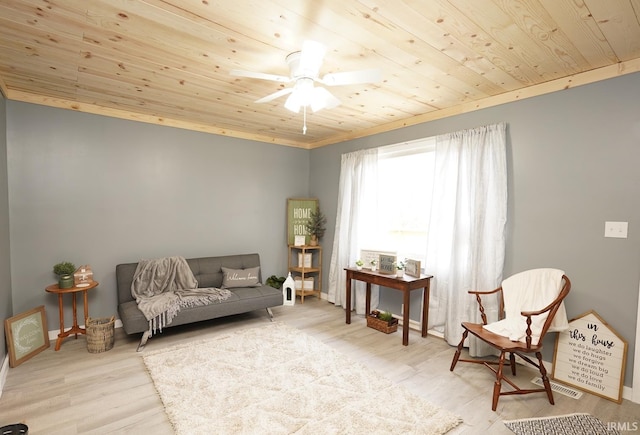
x,y
75,329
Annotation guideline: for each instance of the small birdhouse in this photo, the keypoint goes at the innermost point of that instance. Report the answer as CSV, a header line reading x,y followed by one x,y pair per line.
x,y
289,291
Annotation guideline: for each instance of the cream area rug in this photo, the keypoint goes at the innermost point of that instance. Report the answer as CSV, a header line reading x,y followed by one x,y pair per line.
x,y
276,379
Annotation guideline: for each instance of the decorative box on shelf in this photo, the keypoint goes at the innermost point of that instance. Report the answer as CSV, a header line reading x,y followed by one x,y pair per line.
x,y
308,283
386,326
304,260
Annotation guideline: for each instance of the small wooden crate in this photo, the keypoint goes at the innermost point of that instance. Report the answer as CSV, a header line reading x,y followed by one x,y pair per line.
x,y
100,334
382,325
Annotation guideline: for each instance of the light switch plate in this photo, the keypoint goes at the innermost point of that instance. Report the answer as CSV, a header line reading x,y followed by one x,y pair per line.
x,y
616,229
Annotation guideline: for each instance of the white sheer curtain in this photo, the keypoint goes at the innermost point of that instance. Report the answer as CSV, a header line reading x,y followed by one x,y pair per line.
x,y
357,202
466,245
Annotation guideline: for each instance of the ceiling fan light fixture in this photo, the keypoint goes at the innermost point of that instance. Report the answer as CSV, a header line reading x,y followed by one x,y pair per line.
x,y
323,99
293,103
302,95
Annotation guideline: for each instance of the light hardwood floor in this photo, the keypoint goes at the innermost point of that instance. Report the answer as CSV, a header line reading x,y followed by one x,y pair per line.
x,y
72,391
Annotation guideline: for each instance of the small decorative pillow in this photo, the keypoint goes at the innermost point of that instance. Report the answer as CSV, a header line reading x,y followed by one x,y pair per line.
x,y
240,277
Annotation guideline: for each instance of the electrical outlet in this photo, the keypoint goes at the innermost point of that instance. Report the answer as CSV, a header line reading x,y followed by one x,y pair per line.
x,y
616,229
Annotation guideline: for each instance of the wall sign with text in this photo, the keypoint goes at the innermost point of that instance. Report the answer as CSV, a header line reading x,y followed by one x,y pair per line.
x,y
591,356
298,213
26,335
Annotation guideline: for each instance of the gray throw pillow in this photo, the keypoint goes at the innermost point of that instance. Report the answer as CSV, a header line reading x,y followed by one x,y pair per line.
x,y
240,277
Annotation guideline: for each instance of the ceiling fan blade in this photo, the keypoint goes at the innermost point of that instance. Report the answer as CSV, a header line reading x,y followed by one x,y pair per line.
x,y
275,95
311,58
352,77
259,75
323,99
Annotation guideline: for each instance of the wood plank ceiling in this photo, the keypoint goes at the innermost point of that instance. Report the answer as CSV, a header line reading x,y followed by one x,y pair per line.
x,y
168,61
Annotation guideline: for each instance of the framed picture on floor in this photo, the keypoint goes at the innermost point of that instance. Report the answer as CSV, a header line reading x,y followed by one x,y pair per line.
x,y
26,335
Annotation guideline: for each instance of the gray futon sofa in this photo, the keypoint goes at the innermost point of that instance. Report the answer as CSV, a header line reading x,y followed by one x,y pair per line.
x,y
208,272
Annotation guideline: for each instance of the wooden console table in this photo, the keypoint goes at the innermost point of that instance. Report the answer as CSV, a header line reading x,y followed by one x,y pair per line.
x,y
75,329
404,284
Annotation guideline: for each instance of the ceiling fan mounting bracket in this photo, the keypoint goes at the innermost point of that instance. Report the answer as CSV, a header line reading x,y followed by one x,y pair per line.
x,y
293,61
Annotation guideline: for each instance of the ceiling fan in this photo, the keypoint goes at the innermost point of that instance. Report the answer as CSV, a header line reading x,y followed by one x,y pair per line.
x,y
304,68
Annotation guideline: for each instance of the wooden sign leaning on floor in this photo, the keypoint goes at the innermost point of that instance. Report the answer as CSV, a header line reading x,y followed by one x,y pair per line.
x,y
26,335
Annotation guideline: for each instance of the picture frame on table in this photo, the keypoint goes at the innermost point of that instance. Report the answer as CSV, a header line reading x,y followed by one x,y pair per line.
x,y
387,264
413,268
367,255
26,335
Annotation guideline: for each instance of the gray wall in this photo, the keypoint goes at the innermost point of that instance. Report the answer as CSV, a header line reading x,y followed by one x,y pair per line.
x,y
97,190
5,263
573,164
91,189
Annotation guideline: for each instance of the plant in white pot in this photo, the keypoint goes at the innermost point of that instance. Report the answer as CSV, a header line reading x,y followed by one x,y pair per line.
x,y
400,269
373,264
64,271
359,264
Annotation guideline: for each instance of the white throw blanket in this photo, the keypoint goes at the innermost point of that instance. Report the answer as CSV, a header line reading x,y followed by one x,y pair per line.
x,y
531,290
163,286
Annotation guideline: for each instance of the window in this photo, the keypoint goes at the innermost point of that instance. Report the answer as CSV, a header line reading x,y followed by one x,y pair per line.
x,y
405,181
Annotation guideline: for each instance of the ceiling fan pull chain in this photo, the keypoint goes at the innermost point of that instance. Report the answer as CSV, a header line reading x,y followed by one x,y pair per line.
x,y
304,117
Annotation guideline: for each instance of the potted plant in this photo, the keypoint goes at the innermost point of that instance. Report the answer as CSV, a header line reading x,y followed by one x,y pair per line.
x,y
64,271
382,321
359,264
275,281
400,269
373,265
316,226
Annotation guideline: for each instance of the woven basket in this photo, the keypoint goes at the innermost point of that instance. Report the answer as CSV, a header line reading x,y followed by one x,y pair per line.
x,y
382,325
100,334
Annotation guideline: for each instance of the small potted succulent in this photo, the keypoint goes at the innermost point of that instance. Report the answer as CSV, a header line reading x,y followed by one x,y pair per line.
x,y
400,269
64,271
359,264
373,264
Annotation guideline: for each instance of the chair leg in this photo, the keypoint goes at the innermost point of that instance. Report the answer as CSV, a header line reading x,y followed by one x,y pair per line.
x,y
498,384
457,354
545,379
512,362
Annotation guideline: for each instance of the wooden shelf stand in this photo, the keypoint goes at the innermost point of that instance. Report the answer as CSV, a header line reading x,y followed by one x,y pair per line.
x,y
305,262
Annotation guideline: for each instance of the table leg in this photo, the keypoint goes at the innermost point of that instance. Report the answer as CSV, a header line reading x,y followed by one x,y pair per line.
x,y
347,307
61,315
425,309
75,314
86,309
405,319
367,300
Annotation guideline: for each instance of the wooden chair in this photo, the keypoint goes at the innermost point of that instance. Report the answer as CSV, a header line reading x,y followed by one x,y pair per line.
x,y
536,317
